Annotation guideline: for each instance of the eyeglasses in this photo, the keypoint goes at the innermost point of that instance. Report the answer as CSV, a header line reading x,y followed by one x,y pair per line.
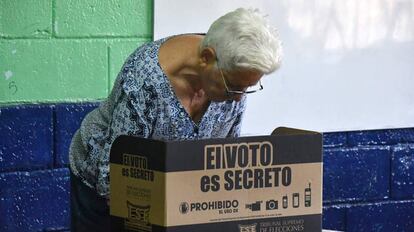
x,y
252,89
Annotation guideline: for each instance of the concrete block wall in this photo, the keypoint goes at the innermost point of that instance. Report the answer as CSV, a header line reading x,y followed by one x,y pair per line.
x,y
34,174
368,175
59,58
67,50
368,180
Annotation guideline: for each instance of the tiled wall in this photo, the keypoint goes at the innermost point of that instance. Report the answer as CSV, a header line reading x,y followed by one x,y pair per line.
x,y
368,175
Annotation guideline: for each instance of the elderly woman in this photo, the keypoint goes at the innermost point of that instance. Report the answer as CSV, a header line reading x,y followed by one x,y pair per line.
x,y
183,87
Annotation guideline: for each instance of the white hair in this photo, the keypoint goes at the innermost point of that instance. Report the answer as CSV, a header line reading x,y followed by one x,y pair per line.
x,y
243,39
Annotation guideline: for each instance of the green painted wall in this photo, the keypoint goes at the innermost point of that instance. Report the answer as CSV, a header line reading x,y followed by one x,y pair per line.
x,y
67,50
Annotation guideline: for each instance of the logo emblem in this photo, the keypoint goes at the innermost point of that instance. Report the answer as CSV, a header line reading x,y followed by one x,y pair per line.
x,y
184,207
138,217
248,228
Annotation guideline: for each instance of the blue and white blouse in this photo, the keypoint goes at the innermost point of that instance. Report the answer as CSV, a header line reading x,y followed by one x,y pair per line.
x,y
143,103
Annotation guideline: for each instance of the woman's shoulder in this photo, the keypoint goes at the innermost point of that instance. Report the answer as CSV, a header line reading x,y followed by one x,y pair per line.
x,y
143,61
147,53
141,72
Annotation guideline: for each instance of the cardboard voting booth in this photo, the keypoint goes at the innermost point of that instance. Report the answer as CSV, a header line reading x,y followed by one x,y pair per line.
x,y
261,183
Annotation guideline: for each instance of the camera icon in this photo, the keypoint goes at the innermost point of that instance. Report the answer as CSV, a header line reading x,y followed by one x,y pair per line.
x,y
272,205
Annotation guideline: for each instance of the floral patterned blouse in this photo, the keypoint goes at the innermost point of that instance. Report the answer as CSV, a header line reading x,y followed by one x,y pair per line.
x,y
143,103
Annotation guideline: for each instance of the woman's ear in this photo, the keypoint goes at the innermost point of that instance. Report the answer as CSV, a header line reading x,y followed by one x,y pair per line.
x,y
208,56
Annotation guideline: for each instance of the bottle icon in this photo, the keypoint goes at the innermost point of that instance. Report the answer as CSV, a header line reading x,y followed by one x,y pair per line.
x,y
308,194
295,198
285,201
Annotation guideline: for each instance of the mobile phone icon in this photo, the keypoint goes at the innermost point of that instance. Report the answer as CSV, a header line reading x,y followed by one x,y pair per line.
x,y
308,194
295,197
285,201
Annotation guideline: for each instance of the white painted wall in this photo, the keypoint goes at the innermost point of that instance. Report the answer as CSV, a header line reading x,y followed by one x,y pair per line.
x,y
348,64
